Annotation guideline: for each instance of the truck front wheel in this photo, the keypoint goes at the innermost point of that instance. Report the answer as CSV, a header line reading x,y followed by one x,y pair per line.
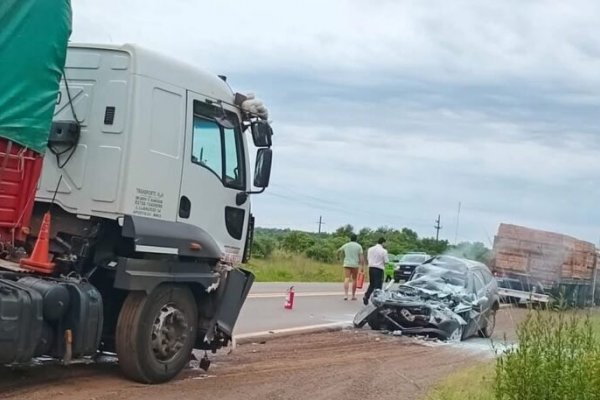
x,y
156,333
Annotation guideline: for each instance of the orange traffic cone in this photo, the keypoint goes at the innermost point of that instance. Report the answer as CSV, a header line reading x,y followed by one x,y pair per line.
x,y
40,260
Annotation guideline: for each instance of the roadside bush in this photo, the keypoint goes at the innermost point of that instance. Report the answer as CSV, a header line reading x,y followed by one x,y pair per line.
x,y
297,242
263,247
321,252
558,357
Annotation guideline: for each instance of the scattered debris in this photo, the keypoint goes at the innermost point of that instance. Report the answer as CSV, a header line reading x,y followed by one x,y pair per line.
x,y
203,376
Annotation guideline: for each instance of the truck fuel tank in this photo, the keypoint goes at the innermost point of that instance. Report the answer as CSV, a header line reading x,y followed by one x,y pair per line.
x,y
55,296
21,322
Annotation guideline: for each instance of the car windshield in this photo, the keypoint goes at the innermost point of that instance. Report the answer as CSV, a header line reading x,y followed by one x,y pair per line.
x,y
413,258
438,278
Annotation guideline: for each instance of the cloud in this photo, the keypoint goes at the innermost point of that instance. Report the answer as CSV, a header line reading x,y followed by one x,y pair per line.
x,y
462,40
390,112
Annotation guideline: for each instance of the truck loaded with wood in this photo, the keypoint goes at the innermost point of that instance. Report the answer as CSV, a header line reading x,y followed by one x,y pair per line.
x,y
565,267
125,190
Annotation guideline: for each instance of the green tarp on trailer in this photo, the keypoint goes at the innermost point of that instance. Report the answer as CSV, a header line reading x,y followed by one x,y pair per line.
x,y
33,44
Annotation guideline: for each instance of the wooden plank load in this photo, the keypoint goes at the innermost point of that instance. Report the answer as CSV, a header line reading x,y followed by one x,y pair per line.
x,y
549,257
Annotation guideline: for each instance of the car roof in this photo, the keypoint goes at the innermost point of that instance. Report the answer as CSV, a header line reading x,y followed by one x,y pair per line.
x,y
468,265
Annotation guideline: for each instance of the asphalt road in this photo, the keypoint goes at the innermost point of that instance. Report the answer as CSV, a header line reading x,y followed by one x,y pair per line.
x,y
314,304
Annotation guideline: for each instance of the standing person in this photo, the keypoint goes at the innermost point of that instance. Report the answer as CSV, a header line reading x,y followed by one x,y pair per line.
x,y
377,257
353,259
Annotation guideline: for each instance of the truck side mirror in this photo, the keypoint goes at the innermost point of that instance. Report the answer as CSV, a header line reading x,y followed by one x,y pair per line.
x,y
262,168
261,134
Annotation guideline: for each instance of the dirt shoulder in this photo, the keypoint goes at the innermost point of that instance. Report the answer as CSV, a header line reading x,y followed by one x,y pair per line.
x,y
351,364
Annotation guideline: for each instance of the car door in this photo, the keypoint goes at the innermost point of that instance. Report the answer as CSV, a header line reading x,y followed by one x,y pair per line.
x,y
483,294
215,171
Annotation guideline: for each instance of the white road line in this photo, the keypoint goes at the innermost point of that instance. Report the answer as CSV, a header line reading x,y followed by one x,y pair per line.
x,y
290,331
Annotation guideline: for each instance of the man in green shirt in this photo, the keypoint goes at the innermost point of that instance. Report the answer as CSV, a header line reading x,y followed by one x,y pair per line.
x,y
353,259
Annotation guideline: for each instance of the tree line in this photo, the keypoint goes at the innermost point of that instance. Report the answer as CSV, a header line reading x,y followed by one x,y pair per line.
x,y
322,247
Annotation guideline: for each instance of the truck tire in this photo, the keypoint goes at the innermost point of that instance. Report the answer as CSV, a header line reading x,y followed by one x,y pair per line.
x,y
156,333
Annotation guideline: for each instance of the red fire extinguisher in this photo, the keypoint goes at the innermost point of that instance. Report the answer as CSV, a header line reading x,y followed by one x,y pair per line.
x,y
360,280
289,299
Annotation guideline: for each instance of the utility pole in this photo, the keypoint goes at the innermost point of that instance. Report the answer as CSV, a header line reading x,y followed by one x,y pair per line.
x,y
457,223
320,223
437,228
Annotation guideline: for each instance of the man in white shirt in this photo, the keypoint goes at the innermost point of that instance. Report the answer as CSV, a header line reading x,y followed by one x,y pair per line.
x,y
377,257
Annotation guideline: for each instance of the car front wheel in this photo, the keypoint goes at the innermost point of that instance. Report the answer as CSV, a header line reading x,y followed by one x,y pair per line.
x,y
490,325
376,322
456,335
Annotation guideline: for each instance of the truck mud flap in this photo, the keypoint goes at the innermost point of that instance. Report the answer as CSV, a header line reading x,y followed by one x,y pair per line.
x,y
239,282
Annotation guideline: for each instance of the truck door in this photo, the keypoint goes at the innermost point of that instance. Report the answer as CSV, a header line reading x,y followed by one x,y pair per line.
x,y
215,171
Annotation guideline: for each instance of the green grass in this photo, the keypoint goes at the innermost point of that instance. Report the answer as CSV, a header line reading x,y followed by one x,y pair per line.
x,y
473,383
286,267
558,357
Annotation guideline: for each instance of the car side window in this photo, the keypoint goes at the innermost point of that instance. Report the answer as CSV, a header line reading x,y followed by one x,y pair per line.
x,y
487,277
478,284
206,146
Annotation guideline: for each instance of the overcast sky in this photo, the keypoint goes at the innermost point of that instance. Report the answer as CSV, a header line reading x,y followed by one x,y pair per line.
x,y
390,112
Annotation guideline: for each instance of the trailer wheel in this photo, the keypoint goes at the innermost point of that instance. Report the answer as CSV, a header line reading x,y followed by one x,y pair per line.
x,y
156,333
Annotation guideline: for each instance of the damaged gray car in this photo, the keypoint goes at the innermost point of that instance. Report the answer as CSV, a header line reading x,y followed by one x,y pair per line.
x,y
446,297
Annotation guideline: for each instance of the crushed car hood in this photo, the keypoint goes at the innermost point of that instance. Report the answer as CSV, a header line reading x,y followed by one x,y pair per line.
x,y
441,291
430,284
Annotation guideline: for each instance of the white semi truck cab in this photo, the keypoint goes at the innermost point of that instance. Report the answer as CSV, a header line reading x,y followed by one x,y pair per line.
x,y
144,196
142,135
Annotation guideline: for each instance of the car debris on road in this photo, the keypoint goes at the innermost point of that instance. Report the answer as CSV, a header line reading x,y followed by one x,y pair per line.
x,y
447,297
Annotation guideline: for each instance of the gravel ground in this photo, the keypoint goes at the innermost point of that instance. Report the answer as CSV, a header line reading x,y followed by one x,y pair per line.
x,y
351,364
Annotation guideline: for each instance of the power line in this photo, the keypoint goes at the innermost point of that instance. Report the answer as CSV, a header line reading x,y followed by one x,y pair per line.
x,y
311,202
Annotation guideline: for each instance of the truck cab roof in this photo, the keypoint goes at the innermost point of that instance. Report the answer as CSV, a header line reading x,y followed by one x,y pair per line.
x,y
146,62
